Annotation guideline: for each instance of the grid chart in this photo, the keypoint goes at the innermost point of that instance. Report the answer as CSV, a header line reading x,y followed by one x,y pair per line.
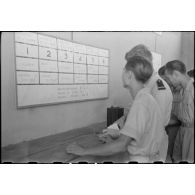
x,y
52,70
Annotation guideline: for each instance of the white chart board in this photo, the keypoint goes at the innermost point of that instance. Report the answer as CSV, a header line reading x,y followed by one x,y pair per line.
x,y
50,70
158,32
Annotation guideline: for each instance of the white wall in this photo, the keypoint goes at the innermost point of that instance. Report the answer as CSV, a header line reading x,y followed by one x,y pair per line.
x,y
25,124
31,123
187,50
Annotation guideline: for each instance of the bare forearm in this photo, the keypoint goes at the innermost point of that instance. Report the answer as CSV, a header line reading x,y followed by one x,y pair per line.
x,y
120,119
106,149
120,122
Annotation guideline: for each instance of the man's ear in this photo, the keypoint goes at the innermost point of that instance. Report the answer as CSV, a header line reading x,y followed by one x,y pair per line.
x,y
176,73
130,74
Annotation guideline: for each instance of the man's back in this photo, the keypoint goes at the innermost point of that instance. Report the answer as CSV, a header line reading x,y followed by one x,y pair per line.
x,y
161,91
145,126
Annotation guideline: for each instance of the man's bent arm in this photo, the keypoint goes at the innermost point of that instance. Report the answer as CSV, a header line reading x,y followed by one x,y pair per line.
x,y
116,146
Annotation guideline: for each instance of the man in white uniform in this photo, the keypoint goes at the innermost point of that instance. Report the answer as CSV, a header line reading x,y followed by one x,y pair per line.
x,y
143,134
157,87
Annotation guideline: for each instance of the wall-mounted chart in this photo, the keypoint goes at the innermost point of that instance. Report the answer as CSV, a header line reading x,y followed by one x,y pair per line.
x,y
50,70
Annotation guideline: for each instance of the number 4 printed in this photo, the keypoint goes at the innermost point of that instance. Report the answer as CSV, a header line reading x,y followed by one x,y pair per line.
x,y
66,55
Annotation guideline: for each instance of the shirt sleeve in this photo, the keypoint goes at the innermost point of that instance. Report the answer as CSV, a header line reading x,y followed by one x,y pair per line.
x,y
186,112
190,105
136,121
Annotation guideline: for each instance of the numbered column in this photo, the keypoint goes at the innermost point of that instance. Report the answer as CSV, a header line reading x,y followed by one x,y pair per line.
x,y
26,50
65,62
48,60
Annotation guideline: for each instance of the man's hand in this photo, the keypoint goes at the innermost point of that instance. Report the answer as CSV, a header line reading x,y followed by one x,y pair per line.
x,y
74,148
104,138
113,133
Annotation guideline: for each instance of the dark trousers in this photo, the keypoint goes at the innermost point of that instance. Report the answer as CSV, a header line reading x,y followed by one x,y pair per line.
x,y
172,133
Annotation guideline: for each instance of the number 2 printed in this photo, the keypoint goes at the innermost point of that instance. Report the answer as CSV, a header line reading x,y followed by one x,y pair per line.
x,y
49,53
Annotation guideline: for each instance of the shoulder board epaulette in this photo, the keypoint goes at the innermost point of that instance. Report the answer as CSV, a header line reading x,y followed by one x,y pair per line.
x,y
160,85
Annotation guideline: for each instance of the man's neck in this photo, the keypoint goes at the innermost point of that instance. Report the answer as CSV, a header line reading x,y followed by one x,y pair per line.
x,y
184,81
136,89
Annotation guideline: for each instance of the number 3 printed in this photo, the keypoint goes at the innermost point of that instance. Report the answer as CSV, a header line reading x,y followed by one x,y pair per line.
x,y
80,58
66,55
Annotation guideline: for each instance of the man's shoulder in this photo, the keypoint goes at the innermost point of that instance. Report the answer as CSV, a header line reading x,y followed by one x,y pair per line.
x,y
145,99
190,90
159,84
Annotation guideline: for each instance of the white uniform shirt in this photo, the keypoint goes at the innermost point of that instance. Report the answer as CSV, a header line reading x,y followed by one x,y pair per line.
x,y
145,126
163,96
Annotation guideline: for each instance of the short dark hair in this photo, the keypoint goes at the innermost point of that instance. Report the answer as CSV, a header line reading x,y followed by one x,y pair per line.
x,y
175,65
161,70
141,68
191,73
